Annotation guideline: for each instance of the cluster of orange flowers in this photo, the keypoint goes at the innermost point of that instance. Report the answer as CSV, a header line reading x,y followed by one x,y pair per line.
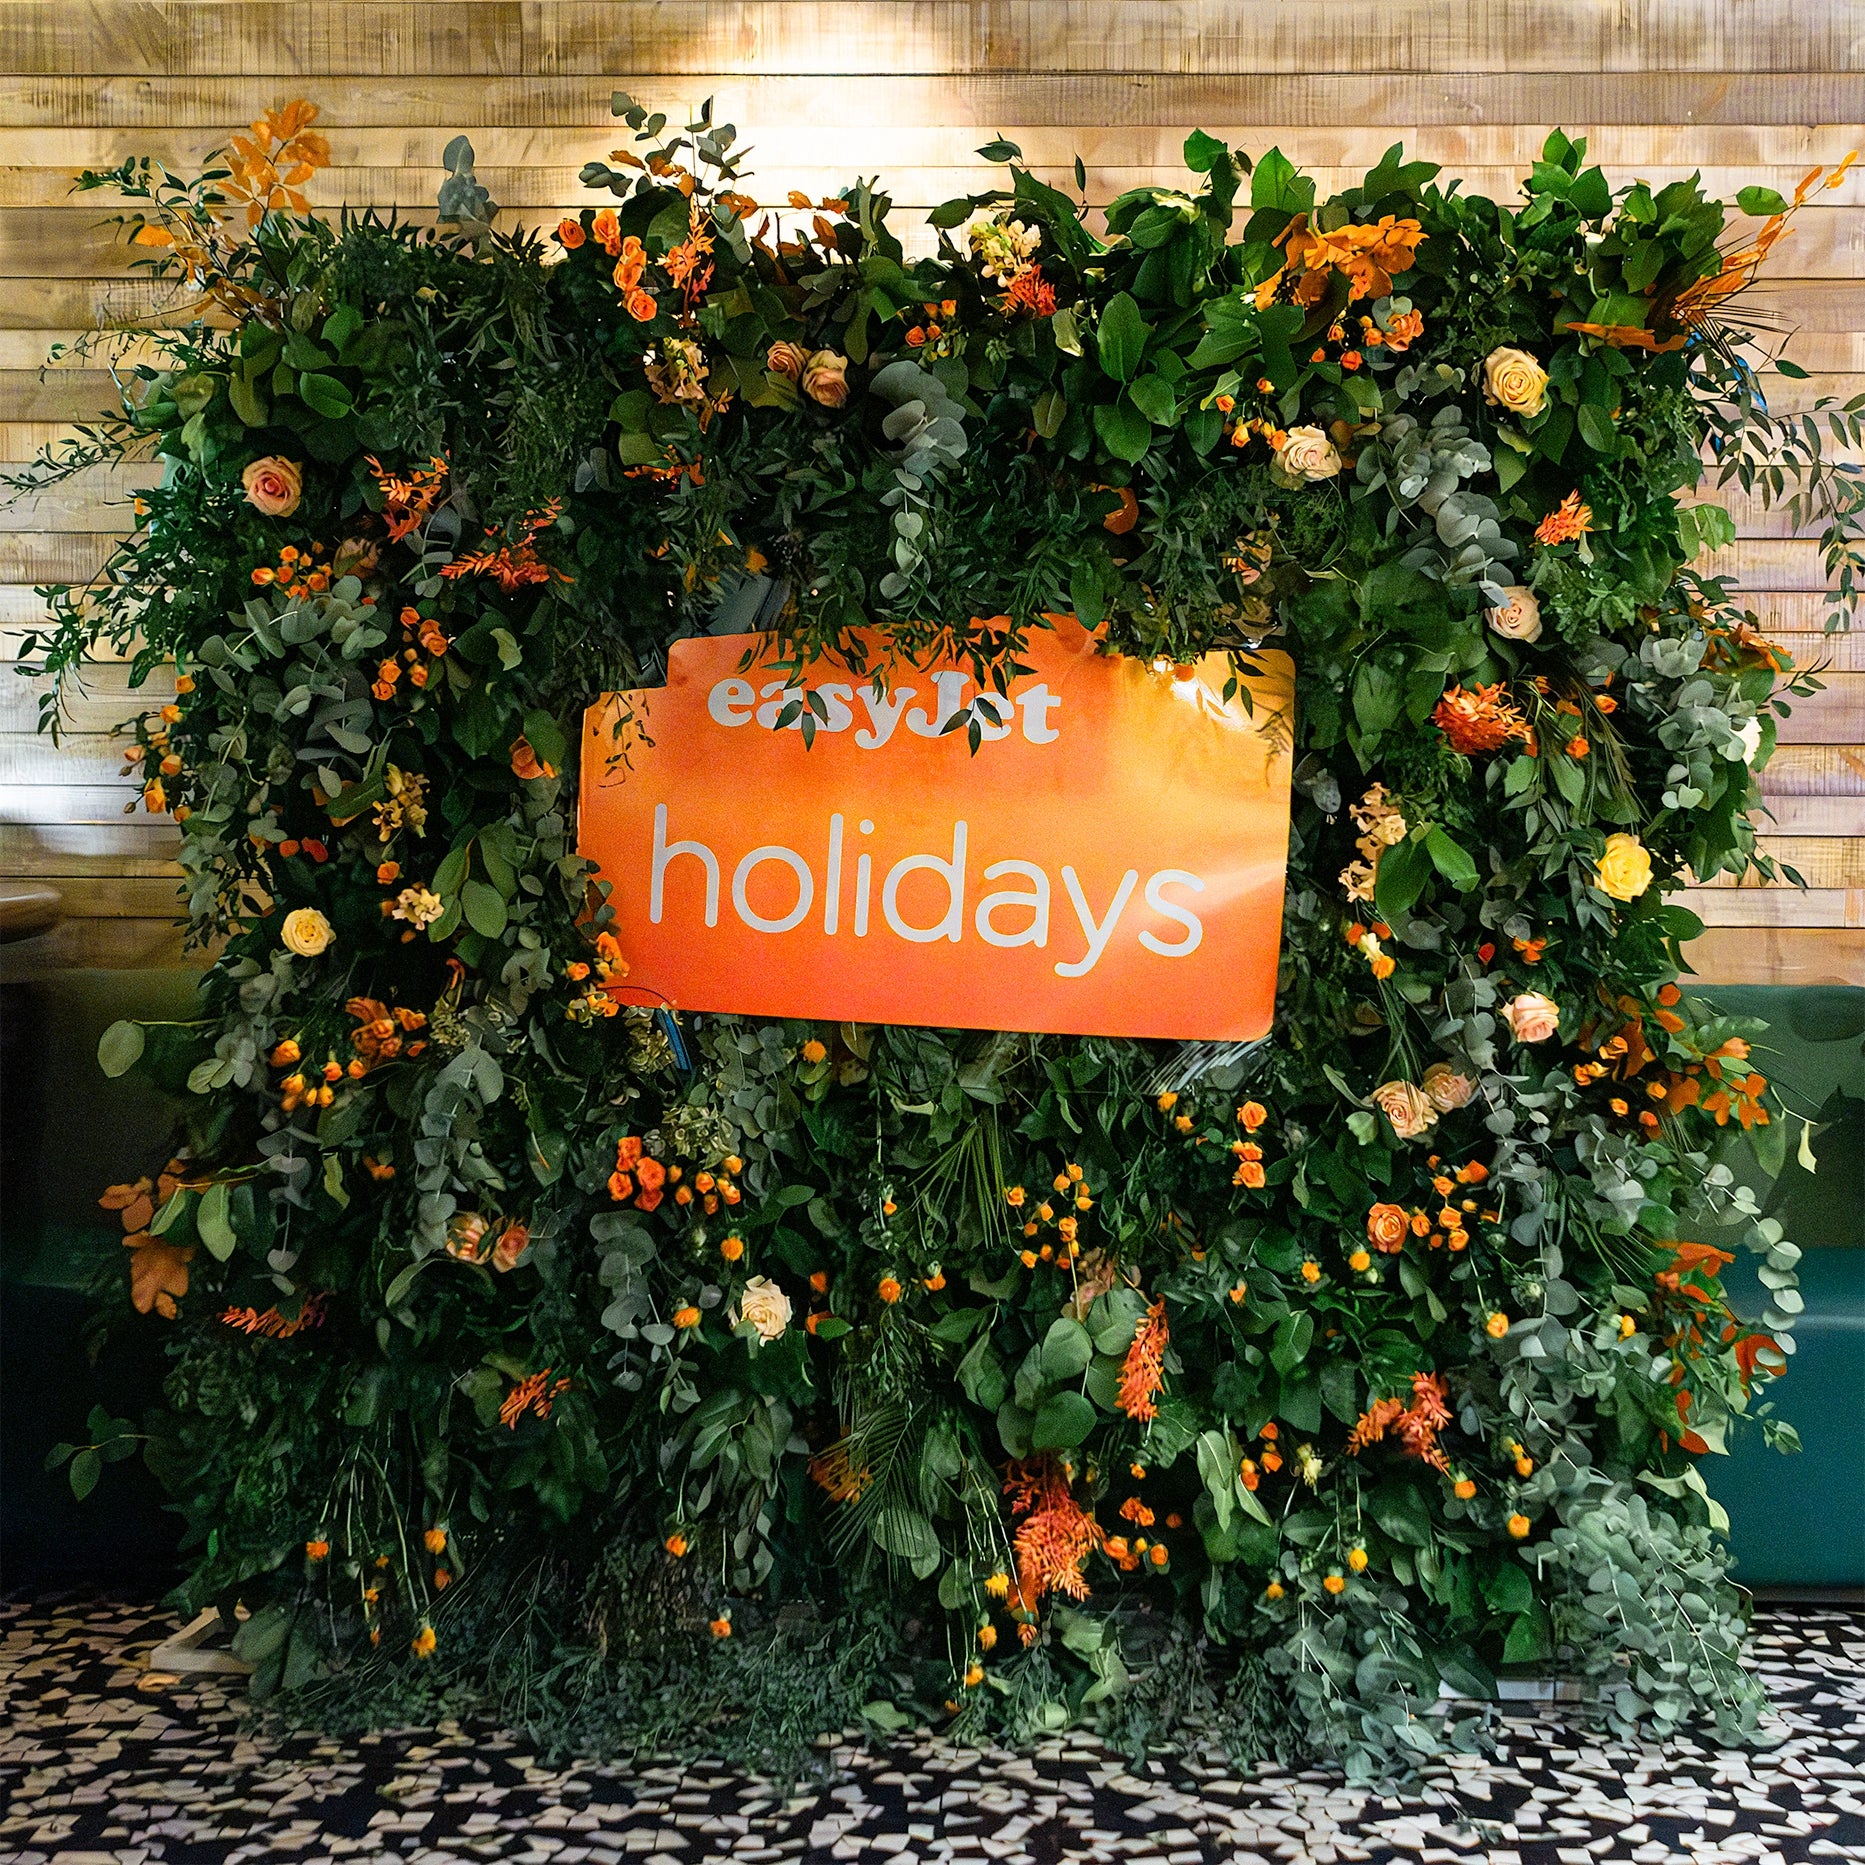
x,y
1250,1174
515,563
1253,1469
608,966
1480,718
272,1325
1388,1225
1069,1185
1402,329
1365,256
432,641
533,1393
919,335
1416,1425
299,574
409,498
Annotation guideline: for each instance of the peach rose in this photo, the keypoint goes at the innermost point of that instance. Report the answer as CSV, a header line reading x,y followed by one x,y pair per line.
x,y
1406,1107
1447,1089
787,359
273,486
825,378
1307,453
306,932
1387,1227
765,1306
1624,870
1516,380
1518,619
1531,1017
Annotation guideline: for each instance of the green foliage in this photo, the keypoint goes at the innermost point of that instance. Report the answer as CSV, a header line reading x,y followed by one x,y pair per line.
x,y
655,1381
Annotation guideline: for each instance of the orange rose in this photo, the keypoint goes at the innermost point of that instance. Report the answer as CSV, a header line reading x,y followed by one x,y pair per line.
x,y
786,359
273,486
1386,1227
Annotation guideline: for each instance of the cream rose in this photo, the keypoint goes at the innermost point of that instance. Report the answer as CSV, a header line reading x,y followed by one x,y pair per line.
x,y
1749,733
273,486
1407,1107
1516,380
786,359
1446,1088
1624,870
1531,1017
1518,619
1307,453
825,378
765,1306
306,932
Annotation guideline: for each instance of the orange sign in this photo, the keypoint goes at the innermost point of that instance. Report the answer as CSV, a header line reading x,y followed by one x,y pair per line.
x,y
1108,861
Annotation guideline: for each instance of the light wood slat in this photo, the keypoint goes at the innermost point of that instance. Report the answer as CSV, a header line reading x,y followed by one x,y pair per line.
x,y
114,898
98,854
1819,860
92,758
1775,906
956,36
1673,104
106,944
58,805
1813,815
1778,955
1500,154
1815,770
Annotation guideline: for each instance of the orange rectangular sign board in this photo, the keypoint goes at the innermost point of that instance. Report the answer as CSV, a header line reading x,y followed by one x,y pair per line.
x,y
1109,861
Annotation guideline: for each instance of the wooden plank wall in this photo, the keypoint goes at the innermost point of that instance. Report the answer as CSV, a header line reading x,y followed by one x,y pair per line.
x,y
825,88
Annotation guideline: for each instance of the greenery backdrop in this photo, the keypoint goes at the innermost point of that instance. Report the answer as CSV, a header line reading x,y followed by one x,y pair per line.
x,y
660,1380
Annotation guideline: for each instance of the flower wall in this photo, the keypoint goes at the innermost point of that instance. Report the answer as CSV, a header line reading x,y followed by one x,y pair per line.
x,y
655,1379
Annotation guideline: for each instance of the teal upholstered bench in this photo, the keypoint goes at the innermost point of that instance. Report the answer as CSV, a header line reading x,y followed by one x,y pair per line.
x,y
1800,1521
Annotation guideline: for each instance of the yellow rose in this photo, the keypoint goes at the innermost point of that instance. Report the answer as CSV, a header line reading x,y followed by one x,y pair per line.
x,y
306,932
273,486
1516,380
1624,871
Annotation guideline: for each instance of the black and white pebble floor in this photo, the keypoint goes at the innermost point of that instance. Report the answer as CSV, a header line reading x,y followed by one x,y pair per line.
x,y
95,1771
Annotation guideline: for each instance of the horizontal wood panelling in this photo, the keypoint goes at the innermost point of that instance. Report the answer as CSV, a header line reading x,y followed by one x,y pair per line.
x,y
705,37
1673,104
1779,955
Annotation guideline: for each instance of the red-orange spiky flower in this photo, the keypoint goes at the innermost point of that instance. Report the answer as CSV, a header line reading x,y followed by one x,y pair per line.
x,y
1145,1369
1478,718
1058,1535
1415,1426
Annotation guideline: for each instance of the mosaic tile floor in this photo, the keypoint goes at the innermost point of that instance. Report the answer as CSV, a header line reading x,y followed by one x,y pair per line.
x,y
94,1771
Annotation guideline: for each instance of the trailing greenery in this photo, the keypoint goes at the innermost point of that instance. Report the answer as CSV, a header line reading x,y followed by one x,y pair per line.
x,y
656,1379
